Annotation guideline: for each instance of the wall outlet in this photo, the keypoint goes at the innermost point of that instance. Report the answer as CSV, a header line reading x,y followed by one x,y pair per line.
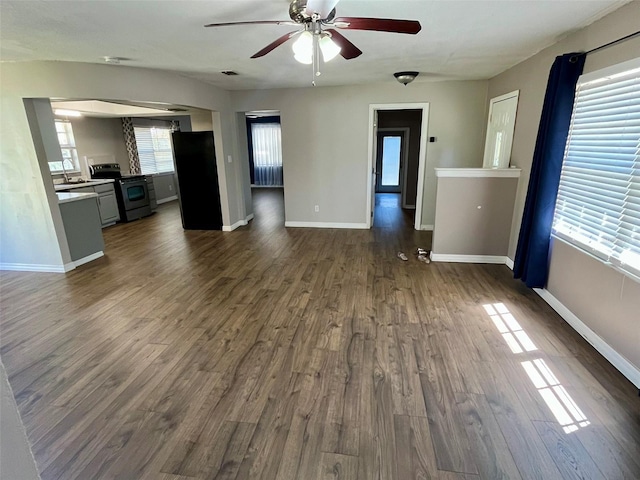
x,y
229,159
170,187
317,208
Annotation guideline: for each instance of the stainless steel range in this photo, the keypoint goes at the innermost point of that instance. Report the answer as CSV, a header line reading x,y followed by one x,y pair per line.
x,y
131,191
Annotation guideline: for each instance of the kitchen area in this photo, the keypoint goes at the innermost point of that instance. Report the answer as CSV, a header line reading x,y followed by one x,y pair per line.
x,y
95,180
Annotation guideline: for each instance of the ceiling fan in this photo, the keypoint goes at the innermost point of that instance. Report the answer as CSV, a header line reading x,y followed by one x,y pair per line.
x,y
318,33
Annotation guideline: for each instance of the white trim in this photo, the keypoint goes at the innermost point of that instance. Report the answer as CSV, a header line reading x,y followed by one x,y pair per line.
x,y
618,361
33,267
422,157
266,186
454,258
404,162
87,259
506,96
428,228
358,226
167,199
238,224
508,262
608,71
478,172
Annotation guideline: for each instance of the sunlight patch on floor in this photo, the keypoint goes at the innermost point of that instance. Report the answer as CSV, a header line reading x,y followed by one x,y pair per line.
x,y
563,407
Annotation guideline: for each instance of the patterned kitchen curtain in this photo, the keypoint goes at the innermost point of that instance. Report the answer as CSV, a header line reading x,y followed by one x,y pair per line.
x,y
132,147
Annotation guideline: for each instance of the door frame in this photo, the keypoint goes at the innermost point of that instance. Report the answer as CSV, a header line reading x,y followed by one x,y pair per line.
x,y
422,156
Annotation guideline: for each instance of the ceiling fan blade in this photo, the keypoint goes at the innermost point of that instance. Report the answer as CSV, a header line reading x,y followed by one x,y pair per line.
x,y
276,43
257,22
321,7
347,49
379,24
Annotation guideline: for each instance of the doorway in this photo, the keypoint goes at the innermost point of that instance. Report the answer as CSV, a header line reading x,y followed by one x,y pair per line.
x,y
265,164
391,160
397,153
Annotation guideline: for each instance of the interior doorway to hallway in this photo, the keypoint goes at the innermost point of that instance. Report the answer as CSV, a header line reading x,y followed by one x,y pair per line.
x,y
398,154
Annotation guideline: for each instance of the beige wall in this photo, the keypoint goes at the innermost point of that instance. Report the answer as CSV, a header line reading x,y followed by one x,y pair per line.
x,y
201,122
602,298
100,136
461,228
325,141
27,224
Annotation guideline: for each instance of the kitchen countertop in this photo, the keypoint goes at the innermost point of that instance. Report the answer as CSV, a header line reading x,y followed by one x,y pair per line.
x,y
64,197
89,183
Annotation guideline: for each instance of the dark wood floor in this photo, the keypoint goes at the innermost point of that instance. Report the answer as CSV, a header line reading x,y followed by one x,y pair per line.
x,y
278,353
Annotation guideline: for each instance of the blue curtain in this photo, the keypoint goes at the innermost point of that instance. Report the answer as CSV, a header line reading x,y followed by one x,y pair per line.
x,y
532,257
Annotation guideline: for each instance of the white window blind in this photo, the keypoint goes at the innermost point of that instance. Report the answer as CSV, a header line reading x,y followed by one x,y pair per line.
x,y
598,204
154,149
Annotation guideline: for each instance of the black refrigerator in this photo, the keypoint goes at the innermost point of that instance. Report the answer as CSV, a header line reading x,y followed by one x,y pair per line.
x,y
198,189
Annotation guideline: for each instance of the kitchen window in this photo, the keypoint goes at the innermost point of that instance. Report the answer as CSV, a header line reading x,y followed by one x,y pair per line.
x,y
598,204
67,143
154,149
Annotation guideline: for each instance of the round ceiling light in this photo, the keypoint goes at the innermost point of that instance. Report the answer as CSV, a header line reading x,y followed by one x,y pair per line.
x,y
406,77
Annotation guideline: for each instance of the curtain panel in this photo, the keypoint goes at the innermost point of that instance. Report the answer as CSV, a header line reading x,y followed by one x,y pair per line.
x,y
532,256
132,146
267,154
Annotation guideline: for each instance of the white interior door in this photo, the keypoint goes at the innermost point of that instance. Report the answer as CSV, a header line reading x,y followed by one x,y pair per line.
x,y
500,127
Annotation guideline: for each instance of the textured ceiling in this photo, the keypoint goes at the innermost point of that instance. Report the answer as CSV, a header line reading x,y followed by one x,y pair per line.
x,y
459,39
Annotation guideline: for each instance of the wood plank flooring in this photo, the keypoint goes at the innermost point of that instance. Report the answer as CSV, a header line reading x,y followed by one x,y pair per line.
x,y
273,353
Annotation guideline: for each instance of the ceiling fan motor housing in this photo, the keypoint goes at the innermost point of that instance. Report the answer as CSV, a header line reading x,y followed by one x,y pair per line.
x,y
298,12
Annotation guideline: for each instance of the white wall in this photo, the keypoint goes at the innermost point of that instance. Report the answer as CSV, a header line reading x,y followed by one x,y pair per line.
x,y
26,223
605,300
325,141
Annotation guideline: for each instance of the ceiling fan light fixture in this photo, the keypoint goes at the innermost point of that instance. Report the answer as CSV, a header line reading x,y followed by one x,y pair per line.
x,y
329,48
406,77
303,48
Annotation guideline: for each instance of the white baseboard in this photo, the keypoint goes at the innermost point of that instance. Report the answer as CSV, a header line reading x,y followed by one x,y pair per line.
x,y
167,199
238,224
87,259
67,267
427,227
442,257
358,226
32,267
508,262
622,364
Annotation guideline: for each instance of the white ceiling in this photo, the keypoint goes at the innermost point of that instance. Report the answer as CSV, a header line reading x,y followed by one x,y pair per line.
x,y
459,39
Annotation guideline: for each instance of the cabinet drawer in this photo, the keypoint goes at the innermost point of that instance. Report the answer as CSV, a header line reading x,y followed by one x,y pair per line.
x,y
107,187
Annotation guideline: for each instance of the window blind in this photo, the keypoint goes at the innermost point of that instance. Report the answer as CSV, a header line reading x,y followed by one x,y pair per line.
x,y
598,203
154,149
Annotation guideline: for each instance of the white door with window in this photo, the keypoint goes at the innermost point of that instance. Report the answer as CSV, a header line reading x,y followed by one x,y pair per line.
x,y
500,127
